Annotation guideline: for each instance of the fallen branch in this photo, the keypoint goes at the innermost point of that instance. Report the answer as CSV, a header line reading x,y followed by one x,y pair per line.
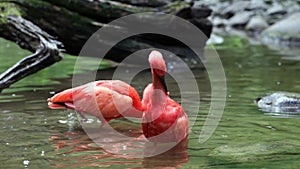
x,y
29,36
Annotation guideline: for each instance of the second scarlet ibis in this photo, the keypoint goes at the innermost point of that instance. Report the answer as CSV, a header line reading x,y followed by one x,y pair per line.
x,y
164,120
110,99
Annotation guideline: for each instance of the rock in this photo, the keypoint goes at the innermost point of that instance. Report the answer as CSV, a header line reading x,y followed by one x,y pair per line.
x,y
219,22
150,3
276,9
284,32
269,2
236,32
280,102
215,39
257,23
206,2
275,13
292,58
250,152
235,7
292,7
286,52
204,25
218,8
200,11
257,5
240,19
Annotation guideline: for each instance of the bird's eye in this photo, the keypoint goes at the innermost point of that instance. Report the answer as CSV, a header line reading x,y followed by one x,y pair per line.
x,y
269,103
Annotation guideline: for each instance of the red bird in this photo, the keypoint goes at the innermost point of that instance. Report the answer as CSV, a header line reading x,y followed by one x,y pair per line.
x,y
110,99
164,120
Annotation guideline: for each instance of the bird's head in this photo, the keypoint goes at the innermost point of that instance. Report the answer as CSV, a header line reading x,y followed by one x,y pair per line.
x,y
157,63
159,69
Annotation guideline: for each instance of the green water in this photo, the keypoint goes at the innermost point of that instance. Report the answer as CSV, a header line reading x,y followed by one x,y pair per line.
x,y
33,136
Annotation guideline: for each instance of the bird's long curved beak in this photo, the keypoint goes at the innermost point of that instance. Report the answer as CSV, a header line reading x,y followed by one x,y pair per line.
x,y
163,82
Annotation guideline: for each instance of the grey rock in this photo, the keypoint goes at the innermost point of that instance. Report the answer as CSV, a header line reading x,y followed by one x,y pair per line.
x,y
257,5
218,8
276,9
236,7
239,19
150,3
284,32
215,39
257,23
205,2
292,7
219,22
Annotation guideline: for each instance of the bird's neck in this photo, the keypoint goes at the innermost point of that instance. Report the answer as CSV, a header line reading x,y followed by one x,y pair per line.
x,y
157,83
159,93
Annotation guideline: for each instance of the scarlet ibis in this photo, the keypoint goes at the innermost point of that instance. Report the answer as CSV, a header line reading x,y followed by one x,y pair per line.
x,y
112,99
164,120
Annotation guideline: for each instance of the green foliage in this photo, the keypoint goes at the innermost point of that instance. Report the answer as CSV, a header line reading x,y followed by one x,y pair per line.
x,y
175,7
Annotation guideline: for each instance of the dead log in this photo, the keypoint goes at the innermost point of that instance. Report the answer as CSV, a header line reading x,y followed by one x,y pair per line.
x,y
46,49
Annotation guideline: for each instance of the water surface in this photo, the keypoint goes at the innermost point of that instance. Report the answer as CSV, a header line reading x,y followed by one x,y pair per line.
x,y
33,136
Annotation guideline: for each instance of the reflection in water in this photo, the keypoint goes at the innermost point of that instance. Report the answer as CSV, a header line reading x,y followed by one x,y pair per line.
x,y
174,158
77,149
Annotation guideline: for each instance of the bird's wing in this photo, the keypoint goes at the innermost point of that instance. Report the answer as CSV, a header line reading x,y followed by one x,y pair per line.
x,y
182,127
180,120
123,89
96,98
111,104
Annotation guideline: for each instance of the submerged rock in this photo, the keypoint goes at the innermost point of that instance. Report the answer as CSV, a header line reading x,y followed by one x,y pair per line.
x,y
249,152
280,102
